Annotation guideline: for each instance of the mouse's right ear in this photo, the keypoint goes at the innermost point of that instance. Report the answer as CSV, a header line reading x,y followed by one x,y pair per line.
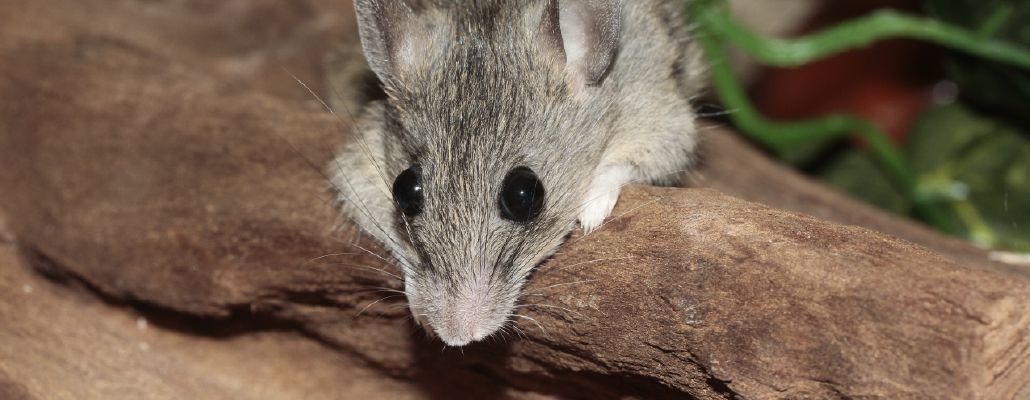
x,y
583,32
393,37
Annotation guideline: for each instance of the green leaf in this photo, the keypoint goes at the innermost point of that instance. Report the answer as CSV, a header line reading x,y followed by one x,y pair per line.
x,y
980,169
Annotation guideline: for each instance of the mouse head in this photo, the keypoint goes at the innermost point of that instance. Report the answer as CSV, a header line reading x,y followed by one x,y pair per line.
x,y
494,123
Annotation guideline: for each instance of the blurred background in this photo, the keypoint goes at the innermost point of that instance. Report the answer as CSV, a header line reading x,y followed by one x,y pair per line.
x,y
162,201
960,122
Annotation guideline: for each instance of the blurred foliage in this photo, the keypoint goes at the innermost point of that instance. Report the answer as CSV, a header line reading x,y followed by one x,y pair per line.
x,y
1000,88
980,168
977,168
978,162
856,173
963,172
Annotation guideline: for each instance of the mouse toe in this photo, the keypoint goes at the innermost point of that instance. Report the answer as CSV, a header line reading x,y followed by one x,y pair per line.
x,y
602,196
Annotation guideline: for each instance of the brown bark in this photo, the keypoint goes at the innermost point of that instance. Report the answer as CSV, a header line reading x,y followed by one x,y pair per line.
x,y
156,158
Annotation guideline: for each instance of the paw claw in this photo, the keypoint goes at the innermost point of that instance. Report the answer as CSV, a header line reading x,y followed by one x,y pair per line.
x,y
602,196
596,211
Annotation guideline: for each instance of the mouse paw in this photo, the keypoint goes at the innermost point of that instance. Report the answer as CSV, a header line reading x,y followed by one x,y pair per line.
x,y
602,196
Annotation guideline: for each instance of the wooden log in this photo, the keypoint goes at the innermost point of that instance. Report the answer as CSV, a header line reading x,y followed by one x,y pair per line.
x,y
60,342
163,186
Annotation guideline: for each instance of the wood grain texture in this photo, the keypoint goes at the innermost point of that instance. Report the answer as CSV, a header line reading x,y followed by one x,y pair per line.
x,y
158,164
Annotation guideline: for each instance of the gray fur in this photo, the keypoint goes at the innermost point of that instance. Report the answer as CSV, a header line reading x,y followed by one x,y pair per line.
x,y
477,88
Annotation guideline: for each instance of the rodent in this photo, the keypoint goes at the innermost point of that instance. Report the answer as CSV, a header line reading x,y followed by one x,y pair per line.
x,y
506,122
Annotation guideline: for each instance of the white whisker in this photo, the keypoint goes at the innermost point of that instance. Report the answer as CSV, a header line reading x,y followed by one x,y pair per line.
x,y
374,303
549,306
561,284
562,268
542,330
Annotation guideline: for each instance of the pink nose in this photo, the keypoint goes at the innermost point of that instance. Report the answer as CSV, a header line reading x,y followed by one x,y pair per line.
x,y
464,321
462,333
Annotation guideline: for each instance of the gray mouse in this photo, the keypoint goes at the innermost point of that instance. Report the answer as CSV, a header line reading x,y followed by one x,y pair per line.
x,y
506,123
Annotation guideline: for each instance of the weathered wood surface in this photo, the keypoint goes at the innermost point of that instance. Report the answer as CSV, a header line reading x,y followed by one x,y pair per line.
x,y
156,164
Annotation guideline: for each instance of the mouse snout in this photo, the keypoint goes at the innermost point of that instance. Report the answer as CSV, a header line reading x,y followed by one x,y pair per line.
x,y
465,323
468,317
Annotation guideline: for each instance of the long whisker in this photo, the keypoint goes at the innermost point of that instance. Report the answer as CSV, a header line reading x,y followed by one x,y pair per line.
x,y
549,306
361,203
565,267
542,330
379,289
374,303
370,268
519,331
324,256
313,167
368,152
561,284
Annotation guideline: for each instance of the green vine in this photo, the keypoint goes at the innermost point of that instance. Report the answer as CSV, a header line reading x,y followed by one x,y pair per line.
x,y
716,28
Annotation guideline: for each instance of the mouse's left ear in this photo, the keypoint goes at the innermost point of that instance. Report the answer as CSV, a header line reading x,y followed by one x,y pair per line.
x,y
585,32
397,39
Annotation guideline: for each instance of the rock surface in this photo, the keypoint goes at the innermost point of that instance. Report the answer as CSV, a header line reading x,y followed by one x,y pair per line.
x,y
160,164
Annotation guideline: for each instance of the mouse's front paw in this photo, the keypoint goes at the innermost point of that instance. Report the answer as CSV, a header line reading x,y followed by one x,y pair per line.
x,y
602,195
596,210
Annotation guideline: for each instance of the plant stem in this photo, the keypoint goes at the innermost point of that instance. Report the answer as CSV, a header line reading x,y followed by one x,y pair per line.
x,y
716,27
858,32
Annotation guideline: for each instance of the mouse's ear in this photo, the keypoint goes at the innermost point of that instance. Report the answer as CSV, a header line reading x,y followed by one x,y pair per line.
x,y
585,32
393,37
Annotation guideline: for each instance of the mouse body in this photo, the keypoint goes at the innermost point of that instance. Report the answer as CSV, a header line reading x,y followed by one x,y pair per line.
x,y
506,124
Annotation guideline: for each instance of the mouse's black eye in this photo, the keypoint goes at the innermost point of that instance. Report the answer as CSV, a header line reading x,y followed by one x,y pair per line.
x,y
522,195
407,191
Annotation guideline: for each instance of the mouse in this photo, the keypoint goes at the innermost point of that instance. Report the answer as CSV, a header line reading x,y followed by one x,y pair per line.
x,y
505,125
